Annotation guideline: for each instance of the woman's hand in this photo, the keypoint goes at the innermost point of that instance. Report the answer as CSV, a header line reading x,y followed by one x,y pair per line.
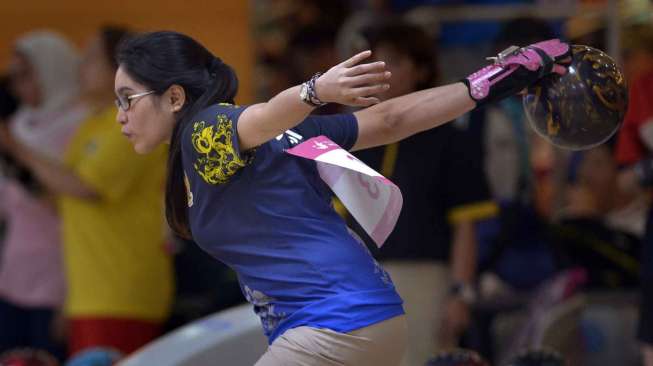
x,y
351,83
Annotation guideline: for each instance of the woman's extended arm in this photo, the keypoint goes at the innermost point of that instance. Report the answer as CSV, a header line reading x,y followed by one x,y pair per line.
x,y
401,117
347,83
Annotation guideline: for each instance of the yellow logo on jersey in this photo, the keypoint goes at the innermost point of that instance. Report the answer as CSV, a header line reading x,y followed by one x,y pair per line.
x,y
218,159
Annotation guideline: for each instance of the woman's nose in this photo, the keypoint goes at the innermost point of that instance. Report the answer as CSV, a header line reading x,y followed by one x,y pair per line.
x,y
121,117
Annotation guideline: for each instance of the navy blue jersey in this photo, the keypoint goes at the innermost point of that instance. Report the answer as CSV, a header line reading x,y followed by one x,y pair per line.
x,y
268,215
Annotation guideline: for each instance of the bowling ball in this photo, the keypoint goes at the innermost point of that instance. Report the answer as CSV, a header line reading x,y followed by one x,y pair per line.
x,y
457,357
582,108
537,357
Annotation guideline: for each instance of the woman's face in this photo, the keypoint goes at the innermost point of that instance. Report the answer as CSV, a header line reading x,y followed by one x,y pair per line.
x,y
96,72
24,81
149,120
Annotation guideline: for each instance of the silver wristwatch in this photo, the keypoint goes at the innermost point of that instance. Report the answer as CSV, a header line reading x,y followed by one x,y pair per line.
x,y
307,92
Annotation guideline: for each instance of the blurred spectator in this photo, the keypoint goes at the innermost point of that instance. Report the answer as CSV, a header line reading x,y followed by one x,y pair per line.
x,y
118,272
8,105
431,254
275,77
583,235
518,167
558,209
510,162
294,40
637,48
44,77
279,21
634,153
318,12
515,169
27,357
310,50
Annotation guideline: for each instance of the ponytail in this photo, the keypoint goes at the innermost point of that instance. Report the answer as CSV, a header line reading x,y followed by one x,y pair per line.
x,y
162,59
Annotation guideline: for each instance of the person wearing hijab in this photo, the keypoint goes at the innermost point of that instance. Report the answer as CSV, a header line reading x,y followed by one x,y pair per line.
x,y
43,73
118,273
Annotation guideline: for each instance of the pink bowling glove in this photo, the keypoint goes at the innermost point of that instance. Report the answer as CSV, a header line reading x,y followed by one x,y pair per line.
x,y
516,68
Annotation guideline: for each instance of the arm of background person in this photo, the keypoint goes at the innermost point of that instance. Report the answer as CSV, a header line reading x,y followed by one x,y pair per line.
x,y
57,178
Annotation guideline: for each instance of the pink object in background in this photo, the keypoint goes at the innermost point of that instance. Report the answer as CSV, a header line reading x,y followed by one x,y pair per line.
x,y
30,268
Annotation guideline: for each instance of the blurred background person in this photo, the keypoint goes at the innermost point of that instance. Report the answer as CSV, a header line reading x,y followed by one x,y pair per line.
x,y
118,272
44,78
583,232
431,254
584,237
8,105
634,153
515,255
517,165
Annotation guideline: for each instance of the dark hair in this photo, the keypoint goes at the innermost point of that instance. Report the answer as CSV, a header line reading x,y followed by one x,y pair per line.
x,y
8,101
112,36
409,40
159,60
9,104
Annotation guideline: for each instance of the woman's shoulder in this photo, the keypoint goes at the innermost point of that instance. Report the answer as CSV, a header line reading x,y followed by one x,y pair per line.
x,y
218,118
213,111
214,122
211,141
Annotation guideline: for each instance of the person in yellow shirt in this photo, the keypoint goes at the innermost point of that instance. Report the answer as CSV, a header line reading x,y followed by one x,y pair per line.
x,y
118,273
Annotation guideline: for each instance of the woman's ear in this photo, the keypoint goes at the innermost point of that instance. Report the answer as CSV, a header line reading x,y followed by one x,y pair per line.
x,y
176,97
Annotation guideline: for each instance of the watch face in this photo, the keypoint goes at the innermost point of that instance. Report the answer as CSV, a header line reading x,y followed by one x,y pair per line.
x,y
303,92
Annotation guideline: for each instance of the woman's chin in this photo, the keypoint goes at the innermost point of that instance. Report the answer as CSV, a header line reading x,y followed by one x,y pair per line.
x,y
141,148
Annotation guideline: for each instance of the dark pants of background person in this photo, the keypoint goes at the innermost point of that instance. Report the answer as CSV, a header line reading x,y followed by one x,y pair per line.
x,y
22,327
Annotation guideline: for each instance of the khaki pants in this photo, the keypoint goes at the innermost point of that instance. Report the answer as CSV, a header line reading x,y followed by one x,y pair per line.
x,y
423,287
380,344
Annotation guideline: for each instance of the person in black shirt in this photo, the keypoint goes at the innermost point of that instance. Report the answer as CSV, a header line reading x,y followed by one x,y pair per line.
x,y
431,254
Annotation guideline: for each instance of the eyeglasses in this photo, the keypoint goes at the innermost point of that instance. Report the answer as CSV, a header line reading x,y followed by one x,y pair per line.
x,y
124,101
